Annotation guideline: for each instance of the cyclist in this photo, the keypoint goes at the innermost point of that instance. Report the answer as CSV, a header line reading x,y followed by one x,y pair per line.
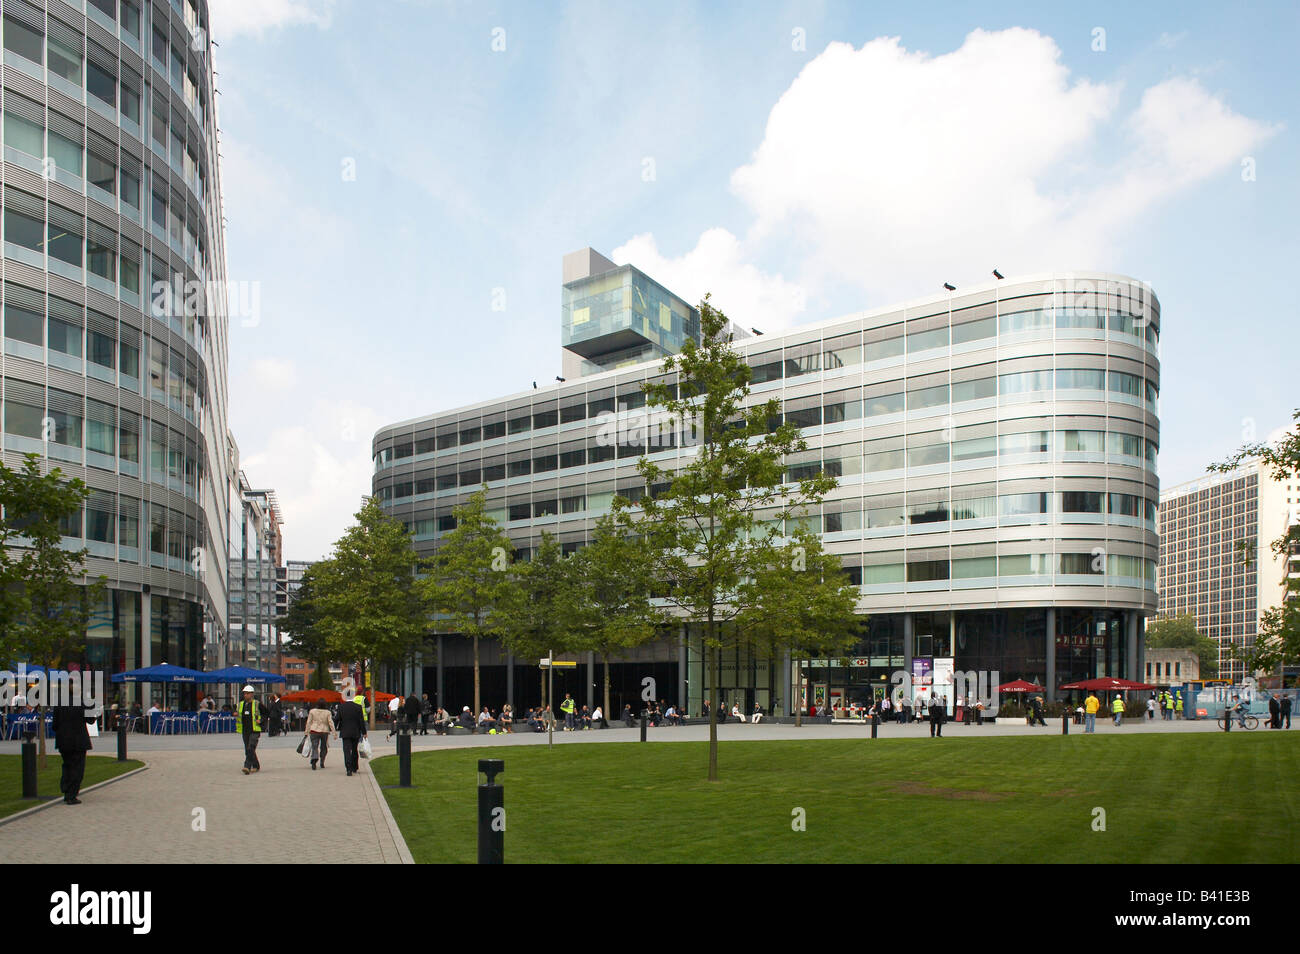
x,y
1240,708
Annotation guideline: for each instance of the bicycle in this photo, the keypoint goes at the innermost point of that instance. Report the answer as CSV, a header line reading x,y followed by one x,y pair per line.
x,y
1248,722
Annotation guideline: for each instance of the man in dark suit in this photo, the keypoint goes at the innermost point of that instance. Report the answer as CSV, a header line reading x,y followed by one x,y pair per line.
x,y
411,712
938,715
1274,712
352,727
1286,711
73,742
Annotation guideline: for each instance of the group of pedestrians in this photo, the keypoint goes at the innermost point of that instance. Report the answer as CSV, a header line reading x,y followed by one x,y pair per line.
x,y
1279,711
321,725
1167,704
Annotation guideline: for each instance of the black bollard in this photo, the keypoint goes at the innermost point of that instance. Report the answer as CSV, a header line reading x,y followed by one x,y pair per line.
x,y
643,722
121,741
1065,723
404,759
1227,719
875,723
29,767
491,814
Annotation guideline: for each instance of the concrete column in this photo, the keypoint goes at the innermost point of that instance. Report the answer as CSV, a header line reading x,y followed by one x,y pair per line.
x,y
908,643
787,680
1050,637
510,679
591,680
145,690
441,701
1131,645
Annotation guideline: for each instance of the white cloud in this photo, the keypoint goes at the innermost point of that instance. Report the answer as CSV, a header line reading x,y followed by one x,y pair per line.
x,y
896,170
717,265
231,18
320,467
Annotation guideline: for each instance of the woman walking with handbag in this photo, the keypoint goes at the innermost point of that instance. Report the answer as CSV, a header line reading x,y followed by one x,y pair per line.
x,y
320,724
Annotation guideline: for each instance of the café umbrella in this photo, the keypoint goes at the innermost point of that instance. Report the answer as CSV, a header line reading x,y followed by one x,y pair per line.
x,y
163,672
240,674
1108,684
1020,685
312,695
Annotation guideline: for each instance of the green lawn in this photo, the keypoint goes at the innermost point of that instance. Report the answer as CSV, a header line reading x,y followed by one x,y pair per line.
x,y
98,768
1167,798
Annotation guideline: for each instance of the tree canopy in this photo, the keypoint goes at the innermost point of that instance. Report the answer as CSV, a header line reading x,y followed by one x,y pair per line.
x,y
1180,632
721,533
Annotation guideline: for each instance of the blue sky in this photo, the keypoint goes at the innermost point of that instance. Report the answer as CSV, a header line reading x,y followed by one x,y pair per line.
x,y
389,170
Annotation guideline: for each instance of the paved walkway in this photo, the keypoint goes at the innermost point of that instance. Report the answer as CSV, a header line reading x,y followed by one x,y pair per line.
x,y
285,812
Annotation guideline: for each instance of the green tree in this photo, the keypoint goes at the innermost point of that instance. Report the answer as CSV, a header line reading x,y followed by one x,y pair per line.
x,y
468,579
368,604
306,639
805,607
1180,632
536,617
1277,642
612,578
716,530
47,598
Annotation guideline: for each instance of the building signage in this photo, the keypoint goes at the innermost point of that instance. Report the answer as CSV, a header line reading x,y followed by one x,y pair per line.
x,y
1080,642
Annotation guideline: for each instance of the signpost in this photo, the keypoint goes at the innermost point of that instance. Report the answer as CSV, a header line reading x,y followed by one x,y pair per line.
x,y
550,663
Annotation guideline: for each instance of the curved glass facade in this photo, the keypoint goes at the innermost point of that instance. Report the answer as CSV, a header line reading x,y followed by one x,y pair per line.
x,y
114,306
996,454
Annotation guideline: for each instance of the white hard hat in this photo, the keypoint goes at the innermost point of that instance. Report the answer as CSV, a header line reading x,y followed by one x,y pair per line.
x,y
248,689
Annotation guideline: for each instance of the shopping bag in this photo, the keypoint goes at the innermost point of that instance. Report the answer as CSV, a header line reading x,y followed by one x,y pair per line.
x,y
363,748
304,748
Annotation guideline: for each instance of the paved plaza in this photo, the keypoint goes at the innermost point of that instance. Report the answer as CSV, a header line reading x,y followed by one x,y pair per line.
x,y
287,812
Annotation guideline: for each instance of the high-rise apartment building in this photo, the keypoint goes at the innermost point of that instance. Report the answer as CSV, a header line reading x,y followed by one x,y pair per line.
x,y
115,306
996,455
1216,561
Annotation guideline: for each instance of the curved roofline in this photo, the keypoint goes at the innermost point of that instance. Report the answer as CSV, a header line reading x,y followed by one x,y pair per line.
x,y
991,290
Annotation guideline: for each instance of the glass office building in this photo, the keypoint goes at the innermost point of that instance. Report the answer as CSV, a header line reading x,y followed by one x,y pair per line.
x,y
114,306
996,455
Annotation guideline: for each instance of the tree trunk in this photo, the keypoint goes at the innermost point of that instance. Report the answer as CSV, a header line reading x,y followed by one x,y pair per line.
x,y
798,694
710,681
371,715
477,704
605,710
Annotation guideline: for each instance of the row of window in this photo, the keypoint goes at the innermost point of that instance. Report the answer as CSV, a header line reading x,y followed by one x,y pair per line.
x,y
881,344
927,570
104,348
109,520
38,419
836,407
65,60
79,242
62,158
881,511
926,448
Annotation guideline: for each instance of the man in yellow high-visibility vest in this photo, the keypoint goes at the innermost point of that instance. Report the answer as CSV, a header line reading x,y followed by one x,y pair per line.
x,y
1117,707
249,720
